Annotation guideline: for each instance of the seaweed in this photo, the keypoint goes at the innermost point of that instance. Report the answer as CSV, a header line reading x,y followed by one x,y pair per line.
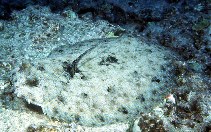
x,y
72,68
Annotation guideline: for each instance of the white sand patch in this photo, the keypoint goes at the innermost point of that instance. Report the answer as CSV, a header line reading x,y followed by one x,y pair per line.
x,y
16,121
35,31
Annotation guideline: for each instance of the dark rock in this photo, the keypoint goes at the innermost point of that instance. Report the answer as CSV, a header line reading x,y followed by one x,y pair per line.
x,y
108,60
34,107
32,82
206,127
151,123
141,98
155,79
123,110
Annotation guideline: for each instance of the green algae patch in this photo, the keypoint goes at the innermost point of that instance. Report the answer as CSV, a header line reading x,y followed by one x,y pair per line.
x,y
201,25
